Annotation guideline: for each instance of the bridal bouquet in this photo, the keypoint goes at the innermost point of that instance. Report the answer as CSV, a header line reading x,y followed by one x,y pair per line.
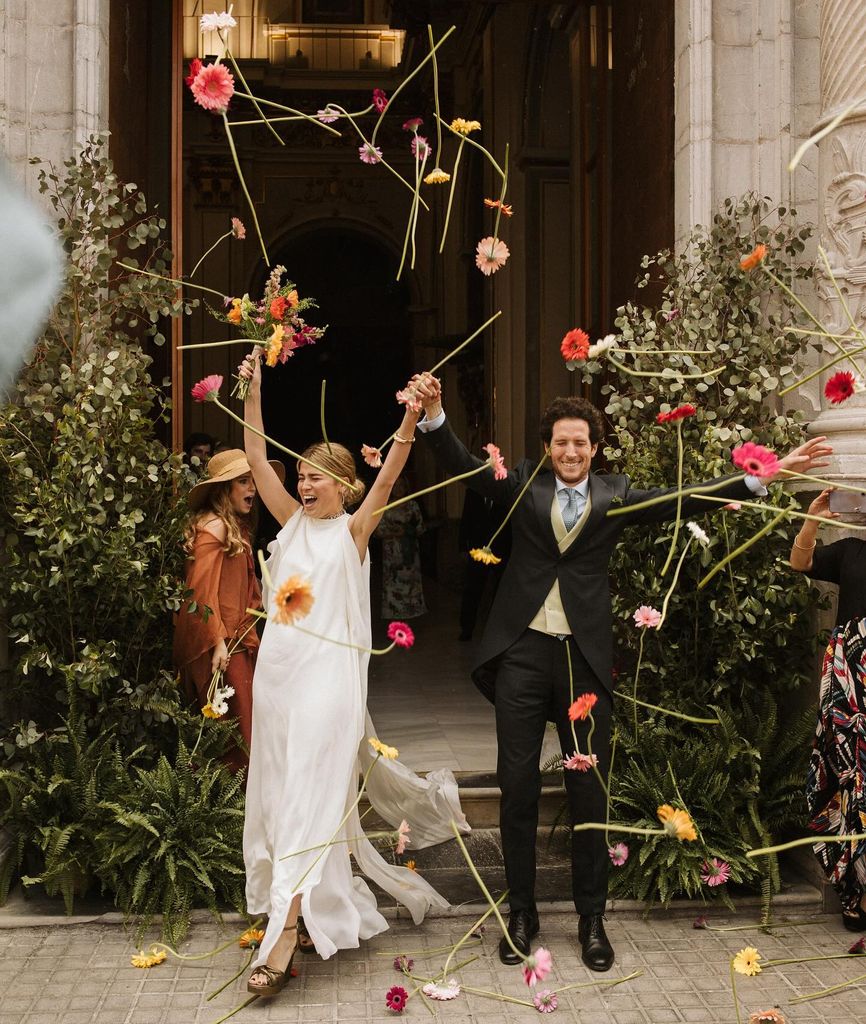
x,y
274,322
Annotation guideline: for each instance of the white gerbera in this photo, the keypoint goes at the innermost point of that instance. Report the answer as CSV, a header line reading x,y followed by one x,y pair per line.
x,y
216,21
600,347
449,990
699,534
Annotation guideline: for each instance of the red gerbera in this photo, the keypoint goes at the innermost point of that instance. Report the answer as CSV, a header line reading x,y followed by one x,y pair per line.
x,y
396,998
582,706
575,345
840,387
380,100
208,388
680,413
401,634
194,68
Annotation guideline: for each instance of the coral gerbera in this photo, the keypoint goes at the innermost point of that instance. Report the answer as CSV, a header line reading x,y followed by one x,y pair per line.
x,y
293,600
497,463
575,345
207,389
746,962
490,255
389,753
497,204
840,387
678,824
582,706
402,838
400,634
774,1016
238,229
372,456
213,87
754,259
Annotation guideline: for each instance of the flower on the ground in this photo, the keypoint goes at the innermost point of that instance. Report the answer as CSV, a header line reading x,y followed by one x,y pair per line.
x,y
195,66
497,204
447,990
484,555
238,229
545,1002
213,87
490,255
437,177
497,463
840,387
575,345
369,153
400,634
715,872
618,854
746,962
372,456
537,966
754,259
859,946
413,124
647,617
217,20
700,922
396,998
410,864
680,413
380,100
580,762
251,938
207,389
755,459
328,114
294,600
582,706
402,833
403,964
774,1016
700,535
275,345
420,147
678,824
600,347
389,753
463,127
151,959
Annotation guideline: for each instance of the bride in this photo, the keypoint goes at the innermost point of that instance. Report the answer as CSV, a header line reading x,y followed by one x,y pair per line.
x,y
311,731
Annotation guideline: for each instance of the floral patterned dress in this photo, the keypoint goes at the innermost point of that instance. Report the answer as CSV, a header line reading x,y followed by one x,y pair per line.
x,y
402,589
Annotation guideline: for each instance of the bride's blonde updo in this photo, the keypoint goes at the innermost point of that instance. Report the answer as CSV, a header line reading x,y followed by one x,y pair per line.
x,y
339,461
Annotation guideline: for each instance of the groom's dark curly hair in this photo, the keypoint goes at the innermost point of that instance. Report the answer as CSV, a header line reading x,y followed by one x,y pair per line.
x,y
572,409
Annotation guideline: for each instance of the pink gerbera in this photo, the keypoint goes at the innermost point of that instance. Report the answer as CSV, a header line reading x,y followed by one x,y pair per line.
x,y
840,387
618,854
537,966
497,463
545,1002
646,617
580,762
400,634
213,87
207,389
369,153
491,254
238,229
420,147
715,872
327,115
396,998
372,456
402,838
755,459
413,124
700,923
410,399
380,100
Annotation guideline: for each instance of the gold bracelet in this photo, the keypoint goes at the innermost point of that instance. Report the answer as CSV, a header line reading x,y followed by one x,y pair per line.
x,y
803,547
404,440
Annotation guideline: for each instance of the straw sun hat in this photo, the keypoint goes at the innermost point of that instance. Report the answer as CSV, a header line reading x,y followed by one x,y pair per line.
x,y
223,467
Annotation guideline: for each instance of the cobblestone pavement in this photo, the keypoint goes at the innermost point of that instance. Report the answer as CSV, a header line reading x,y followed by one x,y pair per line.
x,y
80,973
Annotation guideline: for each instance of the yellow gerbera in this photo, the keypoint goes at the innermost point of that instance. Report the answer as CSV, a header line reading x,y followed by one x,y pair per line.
x,y
151,959
484,555
209,711
463,127
746,961
678,824
437,177
275,345
389,753
251,938
410,864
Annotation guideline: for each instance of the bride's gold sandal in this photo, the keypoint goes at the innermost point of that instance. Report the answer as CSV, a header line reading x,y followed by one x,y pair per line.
x,y
276,980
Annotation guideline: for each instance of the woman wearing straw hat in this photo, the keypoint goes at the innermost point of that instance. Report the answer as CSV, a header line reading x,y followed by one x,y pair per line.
x,y
215,641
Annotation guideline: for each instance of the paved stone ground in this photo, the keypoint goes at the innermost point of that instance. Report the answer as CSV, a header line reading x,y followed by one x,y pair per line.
x,y
80,973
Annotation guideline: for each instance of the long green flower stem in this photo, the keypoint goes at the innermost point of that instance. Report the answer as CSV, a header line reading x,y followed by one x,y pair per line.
x,y
435,63
413,215
205,956
244,188
249,93
794,475
809,996
336,842
475,926
766,851
788,511
336,832
767,528
431,488
492,903
593,765
667,711
502,192
204,256
595,826
673,585
813,140
663,351
451,189
170,280
237,1009
322,416
823,254
299,114
676,535
519,498
422,953
477,145
821,369
234,977
689,492
734,992
826,334
340,643
652,373
730,570
276,444
759,926
220,344
635,701
606,982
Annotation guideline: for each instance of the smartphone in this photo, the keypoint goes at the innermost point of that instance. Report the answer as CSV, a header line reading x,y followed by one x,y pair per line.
x,y
847,502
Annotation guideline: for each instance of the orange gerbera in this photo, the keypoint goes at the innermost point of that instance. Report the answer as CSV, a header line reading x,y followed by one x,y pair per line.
x,y
234,314
678,824
754,259
582,706
251,938
294,600
497,204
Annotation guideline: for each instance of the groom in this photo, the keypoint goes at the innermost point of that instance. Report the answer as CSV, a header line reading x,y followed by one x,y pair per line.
x,y
552,606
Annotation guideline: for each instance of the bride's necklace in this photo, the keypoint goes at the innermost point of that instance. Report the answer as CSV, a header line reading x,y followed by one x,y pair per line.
x,y
335,515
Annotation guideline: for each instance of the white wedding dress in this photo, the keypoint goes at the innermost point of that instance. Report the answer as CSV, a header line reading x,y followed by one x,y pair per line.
x,y
309,748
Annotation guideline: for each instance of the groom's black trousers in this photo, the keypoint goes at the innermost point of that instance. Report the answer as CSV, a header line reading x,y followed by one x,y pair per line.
x,y
532,688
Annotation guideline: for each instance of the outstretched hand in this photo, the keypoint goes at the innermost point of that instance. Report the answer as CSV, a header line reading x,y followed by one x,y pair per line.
x,y
811,455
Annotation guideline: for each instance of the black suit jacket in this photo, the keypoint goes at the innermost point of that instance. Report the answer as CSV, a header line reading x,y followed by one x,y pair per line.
x,y
536,562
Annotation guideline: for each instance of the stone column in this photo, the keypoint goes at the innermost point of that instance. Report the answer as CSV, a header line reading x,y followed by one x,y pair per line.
x,y
842,198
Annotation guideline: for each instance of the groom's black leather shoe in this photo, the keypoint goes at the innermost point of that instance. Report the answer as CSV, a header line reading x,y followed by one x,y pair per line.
x,y
596,950
522,926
